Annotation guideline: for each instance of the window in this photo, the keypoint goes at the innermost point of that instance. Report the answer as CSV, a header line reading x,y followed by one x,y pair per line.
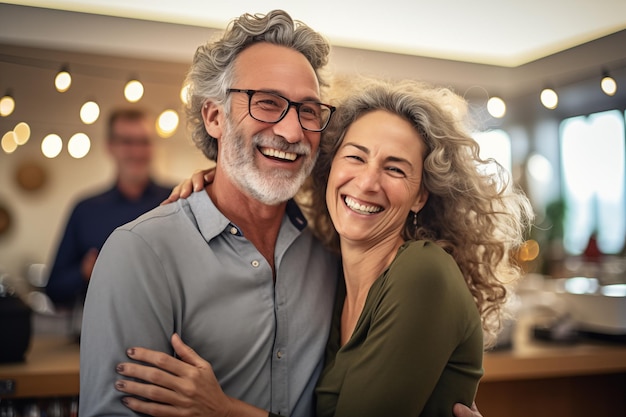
x,y
592,159
495,144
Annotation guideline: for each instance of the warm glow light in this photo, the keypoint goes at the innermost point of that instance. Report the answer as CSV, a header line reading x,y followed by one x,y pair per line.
x,y
51,146
608,85
7,105
540,168
167,123
133,91
22,133
549,98
9,145
79,145
529,250
496,107
63,81
89,112
184,94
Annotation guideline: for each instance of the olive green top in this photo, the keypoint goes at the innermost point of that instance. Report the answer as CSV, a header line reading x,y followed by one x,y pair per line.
x,y
417,347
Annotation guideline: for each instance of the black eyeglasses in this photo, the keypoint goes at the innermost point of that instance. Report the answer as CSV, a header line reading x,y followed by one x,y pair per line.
x,y
272,108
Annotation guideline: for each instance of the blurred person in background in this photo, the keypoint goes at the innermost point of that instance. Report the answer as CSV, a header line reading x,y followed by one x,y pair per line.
x,y
130,144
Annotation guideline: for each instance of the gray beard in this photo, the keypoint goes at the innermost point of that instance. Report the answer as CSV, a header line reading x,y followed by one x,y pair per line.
x,y
278,186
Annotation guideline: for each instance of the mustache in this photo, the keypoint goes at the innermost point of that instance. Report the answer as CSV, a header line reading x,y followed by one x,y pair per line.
x,y
279,143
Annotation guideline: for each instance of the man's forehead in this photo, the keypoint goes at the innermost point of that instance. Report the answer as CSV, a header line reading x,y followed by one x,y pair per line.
x,y
281,69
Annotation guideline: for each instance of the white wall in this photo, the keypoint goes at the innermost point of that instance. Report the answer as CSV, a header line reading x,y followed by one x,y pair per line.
x,y
39,216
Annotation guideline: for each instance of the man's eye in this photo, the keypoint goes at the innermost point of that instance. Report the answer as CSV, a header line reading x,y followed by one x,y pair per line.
x,y
267,103
310,111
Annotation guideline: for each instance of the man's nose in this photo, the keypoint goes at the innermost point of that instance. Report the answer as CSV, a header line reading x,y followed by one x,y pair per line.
x,y
289,127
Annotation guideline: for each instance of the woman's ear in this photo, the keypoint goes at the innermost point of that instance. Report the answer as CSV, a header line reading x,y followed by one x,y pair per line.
x,y
420,201
213,116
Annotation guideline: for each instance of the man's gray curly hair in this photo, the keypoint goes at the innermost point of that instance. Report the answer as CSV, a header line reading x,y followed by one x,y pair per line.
x,y
212,70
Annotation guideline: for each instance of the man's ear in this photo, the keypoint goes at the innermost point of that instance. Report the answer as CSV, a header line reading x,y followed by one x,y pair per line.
x,y
213,116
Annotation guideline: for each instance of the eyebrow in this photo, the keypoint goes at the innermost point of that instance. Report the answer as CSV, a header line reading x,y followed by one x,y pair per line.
x,y
389,158
307,98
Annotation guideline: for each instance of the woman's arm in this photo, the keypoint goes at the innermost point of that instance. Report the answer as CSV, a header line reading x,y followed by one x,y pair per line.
x,y
177,387
199,179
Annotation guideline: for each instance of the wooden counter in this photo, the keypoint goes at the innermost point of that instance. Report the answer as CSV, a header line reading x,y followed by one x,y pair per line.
x,y
51,369
545,379
534,379
537,360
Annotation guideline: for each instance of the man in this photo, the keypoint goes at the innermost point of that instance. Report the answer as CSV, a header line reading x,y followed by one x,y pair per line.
x,y
234,270
129,143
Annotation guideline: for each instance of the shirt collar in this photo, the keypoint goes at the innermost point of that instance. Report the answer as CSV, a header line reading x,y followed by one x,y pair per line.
x,y
211,222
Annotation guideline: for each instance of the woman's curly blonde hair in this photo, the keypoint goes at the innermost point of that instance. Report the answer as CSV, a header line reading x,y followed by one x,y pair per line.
x,y
476,216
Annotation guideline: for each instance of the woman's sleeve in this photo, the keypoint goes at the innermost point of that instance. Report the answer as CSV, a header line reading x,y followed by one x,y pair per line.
x,y
418,321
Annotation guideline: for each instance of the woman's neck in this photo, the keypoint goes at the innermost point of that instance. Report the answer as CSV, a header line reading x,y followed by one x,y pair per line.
x,y
362,265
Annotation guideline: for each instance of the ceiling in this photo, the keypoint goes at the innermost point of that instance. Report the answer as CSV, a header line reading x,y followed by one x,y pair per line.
x,y
494,32
511,50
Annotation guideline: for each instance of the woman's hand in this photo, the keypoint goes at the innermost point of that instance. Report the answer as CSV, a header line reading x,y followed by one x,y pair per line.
x,y
460,410
172,387
199,179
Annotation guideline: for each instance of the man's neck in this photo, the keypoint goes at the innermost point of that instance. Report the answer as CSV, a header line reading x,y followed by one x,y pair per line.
x,y
132,189
260,223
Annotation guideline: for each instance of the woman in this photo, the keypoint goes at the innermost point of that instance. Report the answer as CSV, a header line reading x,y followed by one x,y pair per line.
x,y
425,237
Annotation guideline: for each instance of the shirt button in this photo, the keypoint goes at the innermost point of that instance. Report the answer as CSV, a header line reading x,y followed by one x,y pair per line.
x,y
279,354
255,263
233,230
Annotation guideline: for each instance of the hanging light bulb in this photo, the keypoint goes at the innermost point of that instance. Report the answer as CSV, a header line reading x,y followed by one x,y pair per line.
x,y
63,80
7,105
184,94
167,123
608,84
549,98
496,107
79,145
22,133
133,91
89,112
8,143
51,145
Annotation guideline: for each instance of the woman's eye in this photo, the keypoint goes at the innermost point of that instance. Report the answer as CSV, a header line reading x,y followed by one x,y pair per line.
x,y
396,170
355,157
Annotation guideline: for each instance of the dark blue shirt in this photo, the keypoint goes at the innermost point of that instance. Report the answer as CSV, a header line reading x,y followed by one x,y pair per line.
x,y
90,224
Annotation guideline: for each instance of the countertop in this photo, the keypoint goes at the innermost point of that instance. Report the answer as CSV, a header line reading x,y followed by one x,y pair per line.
x,y
52,364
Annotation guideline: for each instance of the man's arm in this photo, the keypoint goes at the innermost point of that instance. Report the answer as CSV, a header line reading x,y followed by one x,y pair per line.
x,y
66,279
129,303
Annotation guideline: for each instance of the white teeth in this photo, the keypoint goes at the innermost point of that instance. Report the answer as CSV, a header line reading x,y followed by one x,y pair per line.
x,y
360,208
274,153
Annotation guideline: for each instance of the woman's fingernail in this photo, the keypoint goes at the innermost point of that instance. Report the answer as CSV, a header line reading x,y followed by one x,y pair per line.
x,y
120,384
130,352
119,368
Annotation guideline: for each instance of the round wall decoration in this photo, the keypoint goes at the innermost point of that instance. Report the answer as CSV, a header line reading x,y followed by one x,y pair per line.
x,y
30,176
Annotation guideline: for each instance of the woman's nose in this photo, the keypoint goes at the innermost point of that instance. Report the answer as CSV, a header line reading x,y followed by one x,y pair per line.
x,y
369,179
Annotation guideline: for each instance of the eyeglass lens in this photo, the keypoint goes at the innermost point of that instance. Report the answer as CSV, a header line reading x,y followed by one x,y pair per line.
x,y
270,108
